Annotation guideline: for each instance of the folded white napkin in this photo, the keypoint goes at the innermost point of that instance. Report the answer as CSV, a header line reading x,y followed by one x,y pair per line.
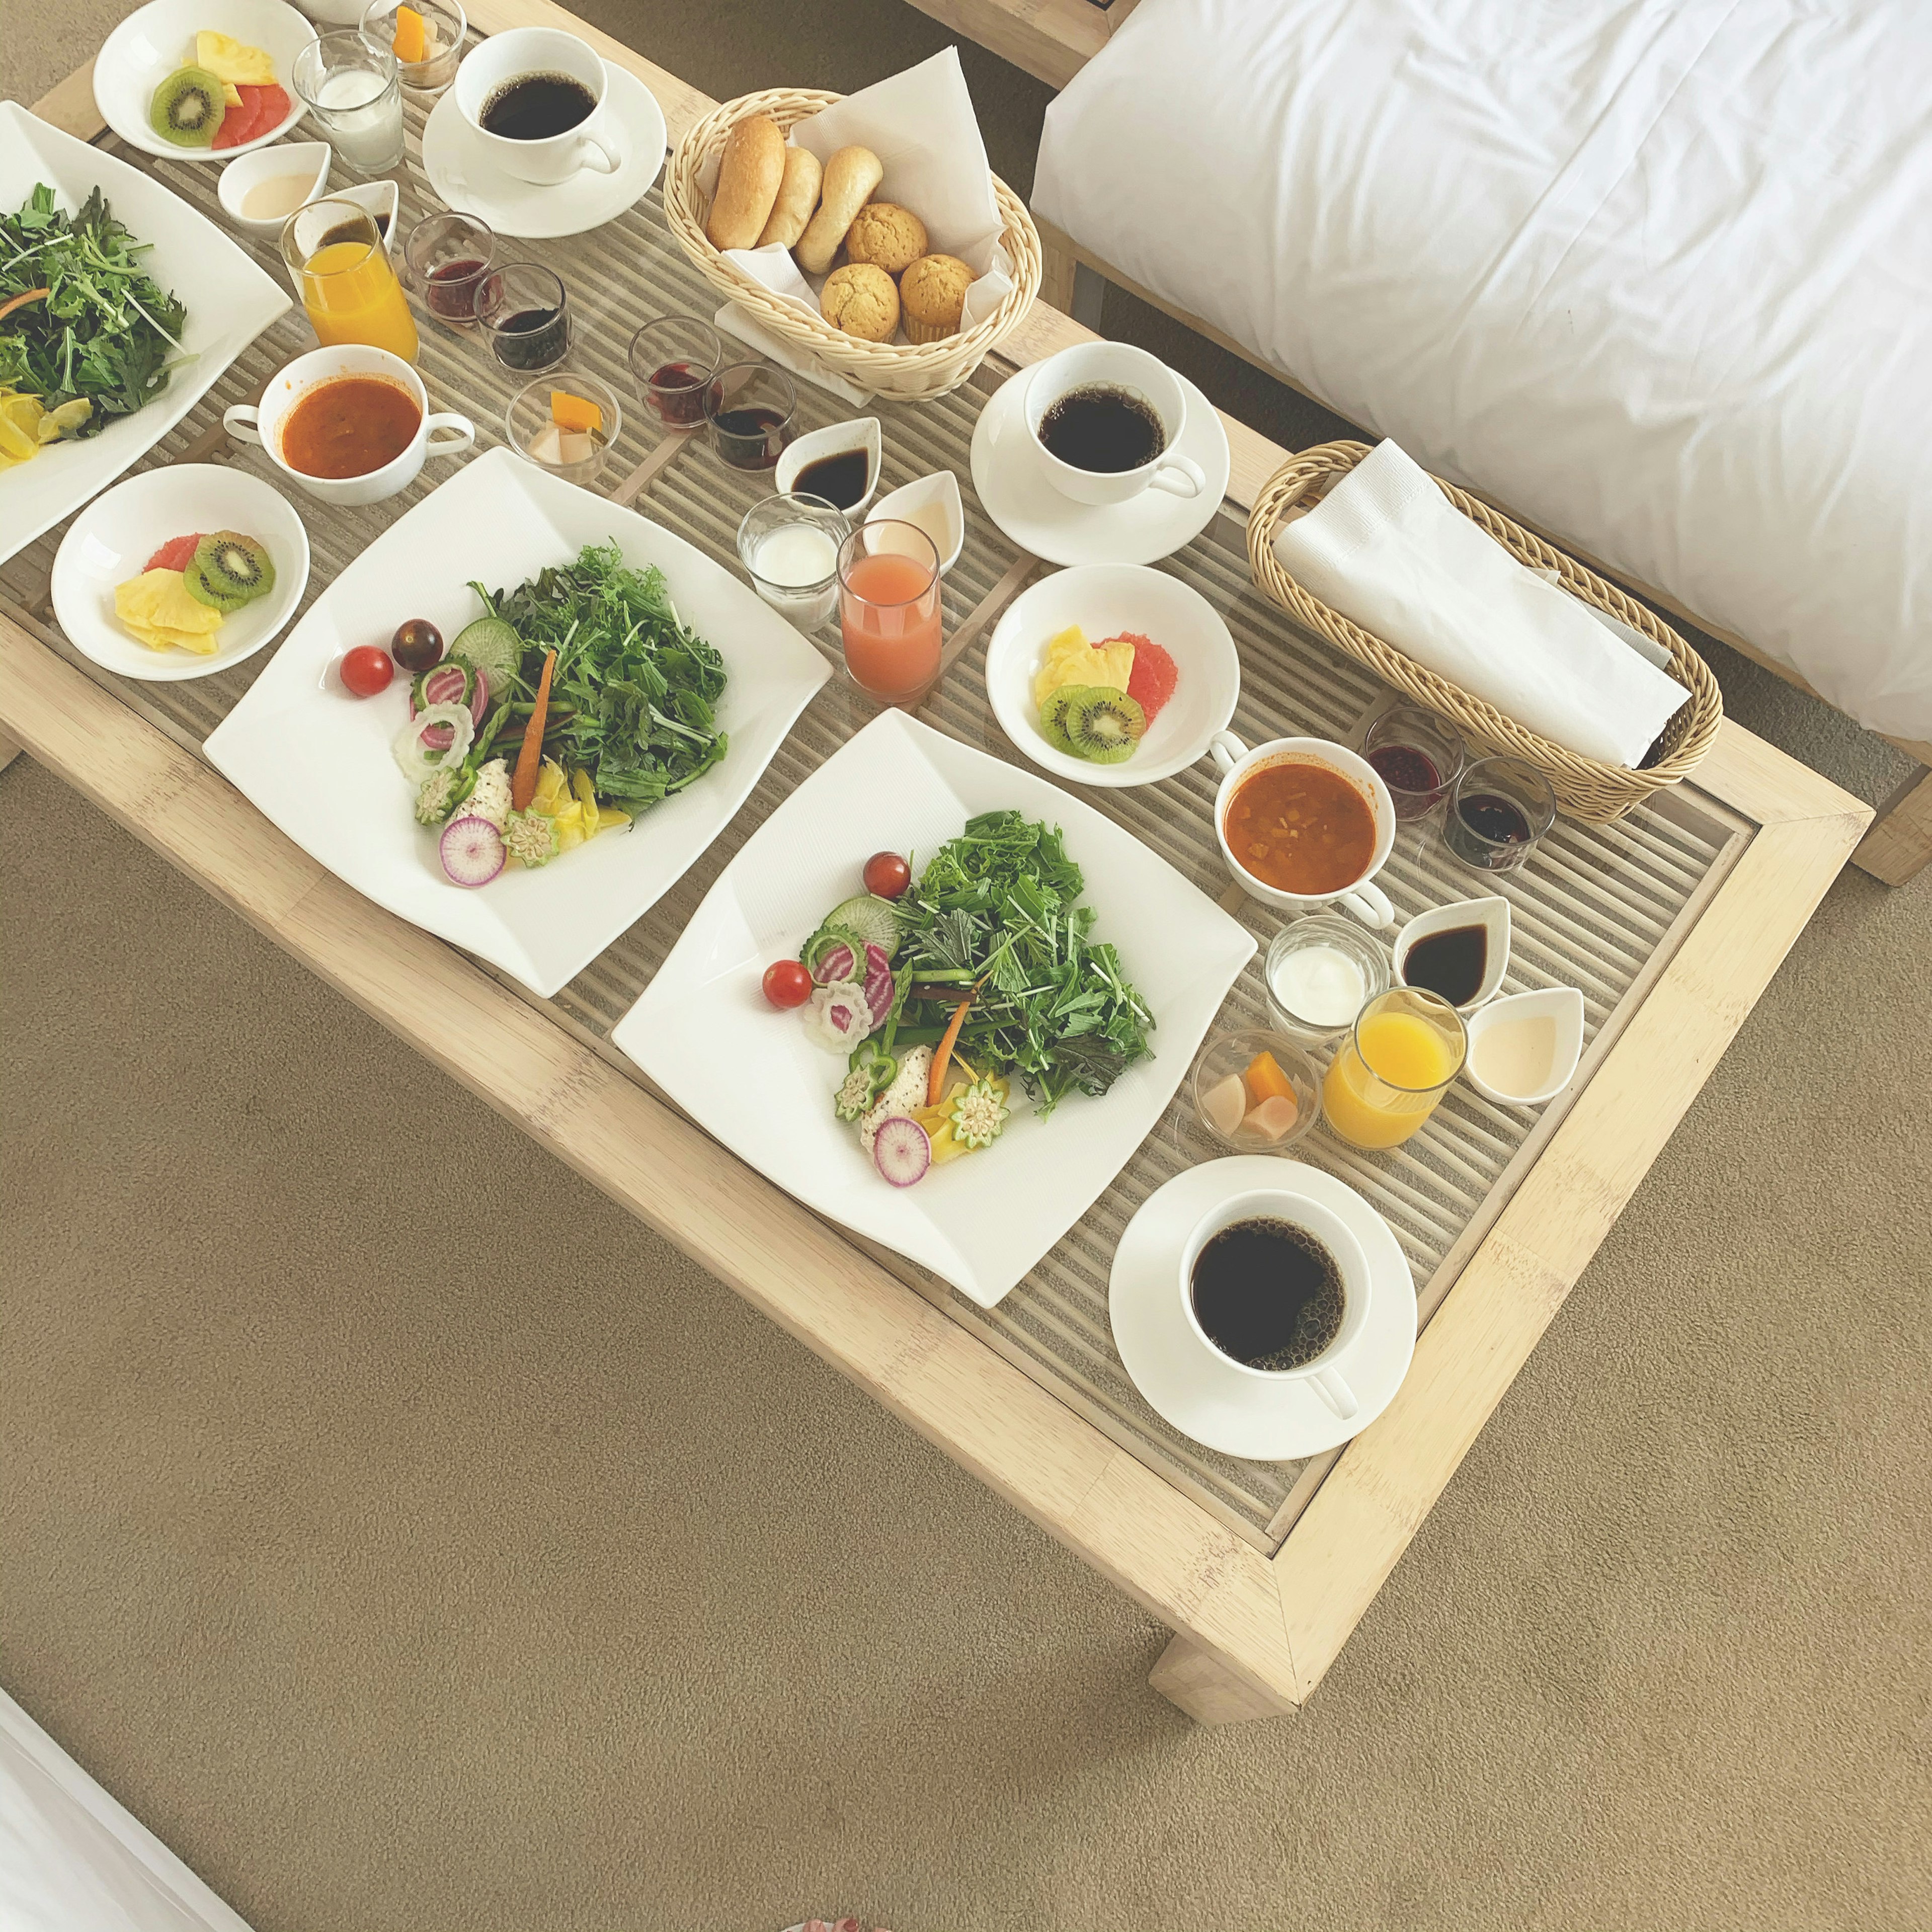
x,y
736,319
921,126
1389,551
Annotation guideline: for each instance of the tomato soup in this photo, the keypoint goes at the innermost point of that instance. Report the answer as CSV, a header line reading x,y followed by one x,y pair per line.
x,y
349,426
1300,827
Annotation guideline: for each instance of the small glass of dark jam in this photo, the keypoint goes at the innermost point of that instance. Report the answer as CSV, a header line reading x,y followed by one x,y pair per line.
x,y
675,360
1417,755
1498,809
446,259
752,409
526,315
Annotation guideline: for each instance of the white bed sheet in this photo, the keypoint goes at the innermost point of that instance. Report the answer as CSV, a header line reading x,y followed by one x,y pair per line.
x,y
1655,273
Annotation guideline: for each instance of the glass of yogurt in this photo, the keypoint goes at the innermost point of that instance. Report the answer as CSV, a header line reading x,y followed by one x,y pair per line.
x,y
789,546
1320,972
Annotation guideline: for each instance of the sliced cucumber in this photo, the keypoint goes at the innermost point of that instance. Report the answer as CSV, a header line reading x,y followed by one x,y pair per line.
x,y
872,918
492,645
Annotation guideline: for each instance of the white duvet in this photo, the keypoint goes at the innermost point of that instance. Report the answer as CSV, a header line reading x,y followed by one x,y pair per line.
x,y
1657,275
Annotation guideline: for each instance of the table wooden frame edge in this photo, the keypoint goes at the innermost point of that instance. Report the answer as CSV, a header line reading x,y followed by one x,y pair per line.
x,y
1255,1635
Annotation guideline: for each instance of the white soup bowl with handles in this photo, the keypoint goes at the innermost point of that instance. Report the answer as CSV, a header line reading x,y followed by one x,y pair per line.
x,y
1361,896
263,423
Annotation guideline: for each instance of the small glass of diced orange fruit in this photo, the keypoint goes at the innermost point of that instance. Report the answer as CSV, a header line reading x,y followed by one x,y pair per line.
x,y
1256,1091
426,36
566,422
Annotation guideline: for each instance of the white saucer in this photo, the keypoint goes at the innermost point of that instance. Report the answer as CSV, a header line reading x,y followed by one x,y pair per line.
x,y
1012,486
1228,1411
467,180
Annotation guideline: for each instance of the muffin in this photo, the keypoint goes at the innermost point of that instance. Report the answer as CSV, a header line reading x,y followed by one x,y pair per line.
x,y
860,299
889,237
933,291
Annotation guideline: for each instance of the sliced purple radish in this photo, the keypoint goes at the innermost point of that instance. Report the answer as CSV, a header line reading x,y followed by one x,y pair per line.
x,y
479,695
835,962
878,983
901,1150
471,850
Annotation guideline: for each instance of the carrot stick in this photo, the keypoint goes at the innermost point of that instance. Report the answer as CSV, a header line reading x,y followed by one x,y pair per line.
x,y
942,1056
21,302
529,759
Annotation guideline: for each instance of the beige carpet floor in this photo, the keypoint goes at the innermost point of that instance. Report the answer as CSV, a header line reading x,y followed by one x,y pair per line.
x,y
412,1540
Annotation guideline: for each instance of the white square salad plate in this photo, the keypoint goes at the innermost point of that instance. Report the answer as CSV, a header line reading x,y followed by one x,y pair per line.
x,y
316,759
229,302
751,1077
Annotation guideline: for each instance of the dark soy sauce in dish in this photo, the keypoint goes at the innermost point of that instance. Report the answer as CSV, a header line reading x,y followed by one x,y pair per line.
x,y
1102,429
841,479
534,106
1268,1293
1451,963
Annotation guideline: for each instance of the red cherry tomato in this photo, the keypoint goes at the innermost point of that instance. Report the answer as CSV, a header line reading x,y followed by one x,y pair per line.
x,y
886,875
788,984
366,671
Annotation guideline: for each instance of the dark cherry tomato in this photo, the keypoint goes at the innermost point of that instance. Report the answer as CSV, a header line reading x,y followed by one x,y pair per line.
x,y
366,671
788,984
886,875
417,646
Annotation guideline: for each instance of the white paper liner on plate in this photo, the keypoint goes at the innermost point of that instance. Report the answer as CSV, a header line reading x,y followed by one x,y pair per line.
x,y
921,125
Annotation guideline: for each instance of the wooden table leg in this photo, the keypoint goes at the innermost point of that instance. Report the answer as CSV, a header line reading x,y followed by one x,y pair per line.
x,y
1188,1674
1900,842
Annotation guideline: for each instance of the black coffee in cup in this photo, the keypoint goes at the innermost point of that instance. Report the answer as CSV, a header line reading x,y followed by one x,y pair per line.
x,y
1103,428
534,106
1268,1293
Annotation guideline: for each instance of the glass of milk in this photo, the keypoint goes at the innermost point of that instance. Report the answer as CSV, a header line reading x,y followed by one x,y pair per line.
x,y
789,546
354,94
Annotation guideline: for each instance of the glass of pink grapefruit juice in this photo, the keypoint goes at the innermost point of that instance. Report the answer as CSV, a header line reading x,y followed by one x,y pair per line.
x,y
888,610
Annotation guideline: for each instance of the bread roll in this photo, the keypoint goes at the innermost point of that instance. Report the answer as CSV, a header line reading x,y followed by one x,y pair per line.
x,y
798,196
749,177
850,176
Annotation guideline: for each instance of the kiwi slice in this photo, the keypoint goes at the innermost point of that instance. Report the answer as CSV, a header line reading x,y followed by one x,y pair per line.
x,y
228,570
1053,716
188,108
1104,724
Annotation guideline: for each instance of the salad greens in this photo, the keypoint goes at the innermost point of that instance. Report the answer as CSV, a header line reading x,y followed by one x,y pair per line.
x,y
103,332
633,699
998,908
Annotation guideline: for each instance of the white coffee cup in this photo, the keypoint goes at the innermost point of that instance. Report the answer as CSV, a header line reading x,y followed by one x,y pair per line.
x,y
1273,1204
249,422
1368,902
1115,365
521,52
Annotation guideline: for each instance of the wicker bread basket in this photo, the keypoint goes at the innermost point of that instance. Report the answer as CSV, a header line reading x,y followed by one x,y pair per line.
x,y
910,371
1586,789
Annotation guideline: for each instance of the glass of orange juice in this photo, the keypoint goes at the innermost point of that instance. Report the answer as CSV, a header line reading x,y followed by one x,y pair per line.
x,y
888,610
341,271
1390,1073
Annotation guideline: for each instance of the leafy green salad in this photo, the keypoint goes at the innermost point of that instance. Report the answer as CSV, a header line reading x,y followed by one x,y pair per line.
x,y
574,702
84,330
944,991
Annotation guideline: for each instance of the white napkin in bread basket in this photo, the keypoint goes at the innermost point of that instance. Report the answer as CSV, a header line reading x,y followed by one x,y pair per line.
x,y
1387,549
921,126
